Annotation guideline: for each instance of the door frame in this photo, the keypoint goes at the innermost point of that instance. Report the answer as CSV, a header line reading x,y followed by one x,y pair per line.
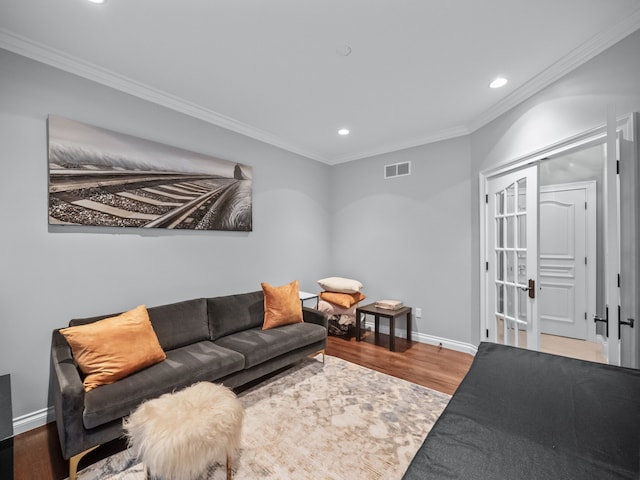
x,y
597,135
629,155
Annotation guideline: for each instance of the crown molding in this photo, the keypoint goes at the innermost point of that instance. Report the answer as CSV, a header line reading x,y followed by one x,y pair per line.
x,y
58,59
585,52
446,134
68,63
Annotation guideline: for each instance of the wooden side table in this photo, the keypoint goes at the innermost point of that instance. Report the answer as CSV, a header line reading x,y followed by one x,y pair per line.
x,y
371,309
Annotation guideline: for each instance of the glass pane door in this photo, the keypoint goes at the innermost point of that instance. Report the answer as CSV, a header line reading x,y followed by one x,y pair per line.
x,y
512,258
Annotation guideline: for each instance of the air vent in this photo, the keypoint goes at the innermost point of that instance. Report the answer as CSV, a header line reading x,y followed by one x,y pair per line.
x,y
397,170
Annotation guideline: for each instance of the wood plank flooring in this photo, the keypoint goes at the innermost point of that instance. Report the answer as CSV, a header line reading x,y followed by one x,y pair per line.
x,y
428,365
37,452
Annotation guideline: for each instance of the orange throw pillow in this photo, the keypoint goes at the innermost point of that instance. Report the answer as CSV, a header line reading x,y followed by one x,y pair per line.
x,y
344,300
113,348
282,305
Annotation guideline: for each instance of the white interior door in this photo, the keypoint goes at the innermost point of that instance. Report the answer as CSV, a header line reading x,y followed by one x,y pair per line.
x,y
512,258
567,260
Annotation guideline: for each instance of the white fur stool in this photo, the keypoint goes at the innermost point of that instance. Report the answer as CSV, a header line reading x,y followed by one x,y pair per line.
x,y
179,435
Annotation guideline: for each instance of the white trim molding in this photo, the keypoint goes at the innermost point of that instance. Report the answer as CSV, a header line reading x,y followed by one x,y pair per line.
x,y
448,134
41,417
69,63
58,59
32,420
428,339
559,69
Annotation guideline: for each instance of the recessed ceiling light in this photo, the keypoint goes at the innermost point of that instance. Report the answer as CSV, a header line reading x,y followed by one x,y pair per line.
x,y
343,131
96,1
498,82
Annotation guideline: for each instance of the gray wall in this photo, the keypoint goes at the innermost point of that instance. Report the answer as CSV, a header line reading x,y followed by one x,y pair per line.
x,y
408,237
415,238
576,103
51,274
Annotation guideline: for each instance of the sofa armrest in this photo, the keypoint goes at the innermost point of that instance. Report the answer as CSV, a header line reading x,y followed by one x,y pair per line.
x,y
68,393
311,315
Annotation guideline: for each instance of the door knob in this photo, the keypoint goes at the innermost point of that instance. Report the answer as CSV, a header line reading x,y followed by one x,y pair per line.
x,y
531,288
605,320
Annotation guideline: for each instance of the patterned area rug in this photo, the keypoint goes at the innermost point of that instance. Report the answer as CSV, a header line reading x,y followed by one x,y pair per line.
x,y
333,421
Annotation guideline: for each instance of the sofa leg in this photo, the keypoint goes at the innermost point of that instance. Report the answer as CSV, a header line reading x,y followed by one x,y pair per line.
x,y
73,462
229,470
314,355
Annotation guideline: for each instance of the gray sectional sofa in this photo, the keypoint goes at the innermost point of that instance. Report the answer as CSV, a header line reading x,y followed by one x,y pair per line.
x,y
216,339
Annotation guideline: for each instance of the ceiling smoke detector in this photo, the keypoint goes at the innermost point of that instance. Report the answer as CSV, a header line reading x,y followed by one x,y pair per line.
x,y
343,50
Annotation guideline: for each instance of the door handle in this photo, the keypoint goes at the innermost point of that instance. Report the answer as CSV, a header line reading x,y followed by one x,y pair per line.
x,y
605,320
629,321
531,288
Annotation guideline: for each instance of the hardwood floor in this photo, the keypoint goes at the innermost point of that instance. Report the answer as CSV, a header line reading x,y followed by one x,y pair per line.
x,y
37,452
36,455
433,367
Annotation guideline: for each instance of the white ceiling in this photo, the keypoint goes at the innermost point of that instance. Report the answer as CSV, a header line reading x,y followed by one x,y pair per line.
x,y
418,72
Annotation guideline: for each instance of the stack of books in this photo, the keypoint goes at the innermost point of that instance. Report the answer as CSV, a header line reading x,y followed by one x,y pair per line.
x,y
389,304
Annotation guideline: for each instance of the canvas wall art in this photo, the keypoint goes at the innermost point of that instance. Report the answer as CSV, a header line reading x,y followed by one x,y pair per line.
x,y
100,177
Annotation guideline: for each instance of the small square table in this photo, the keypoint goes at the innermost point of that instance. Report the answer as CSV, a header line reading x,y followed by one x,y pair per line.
x,y
308,296
377,312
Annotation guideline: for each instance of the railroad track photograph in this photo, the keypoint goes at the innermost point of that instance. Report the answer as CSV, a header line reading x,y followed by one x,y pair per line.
x,y
99,177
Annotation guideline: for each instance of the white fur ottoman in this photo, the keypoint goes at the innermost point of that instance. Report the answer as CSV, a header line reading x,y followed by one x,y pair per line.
x,y
179,435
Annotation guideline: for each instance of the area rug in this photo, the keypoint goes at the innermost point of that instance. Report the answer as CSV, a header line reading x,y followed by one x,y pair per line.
x,y
333,421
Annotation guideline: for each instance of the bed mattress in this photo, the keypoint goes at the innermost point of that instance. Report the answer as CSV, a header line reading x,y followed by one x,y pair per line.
x,y
520,414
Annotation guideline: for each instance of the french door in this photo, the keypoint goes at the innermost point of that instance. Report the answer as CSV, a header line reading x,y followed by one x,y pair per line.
x,y
512,258
509,243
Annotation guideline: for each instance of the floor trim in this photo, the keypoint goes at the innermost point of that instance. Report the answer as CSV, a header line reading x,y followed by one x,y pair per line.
x,y
428,339
40,418
33,420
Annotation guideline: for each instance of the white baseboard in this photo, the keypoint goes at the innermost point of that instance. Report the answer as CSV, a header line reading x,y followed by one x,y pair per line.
x,y
33,420
39,418
429,339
